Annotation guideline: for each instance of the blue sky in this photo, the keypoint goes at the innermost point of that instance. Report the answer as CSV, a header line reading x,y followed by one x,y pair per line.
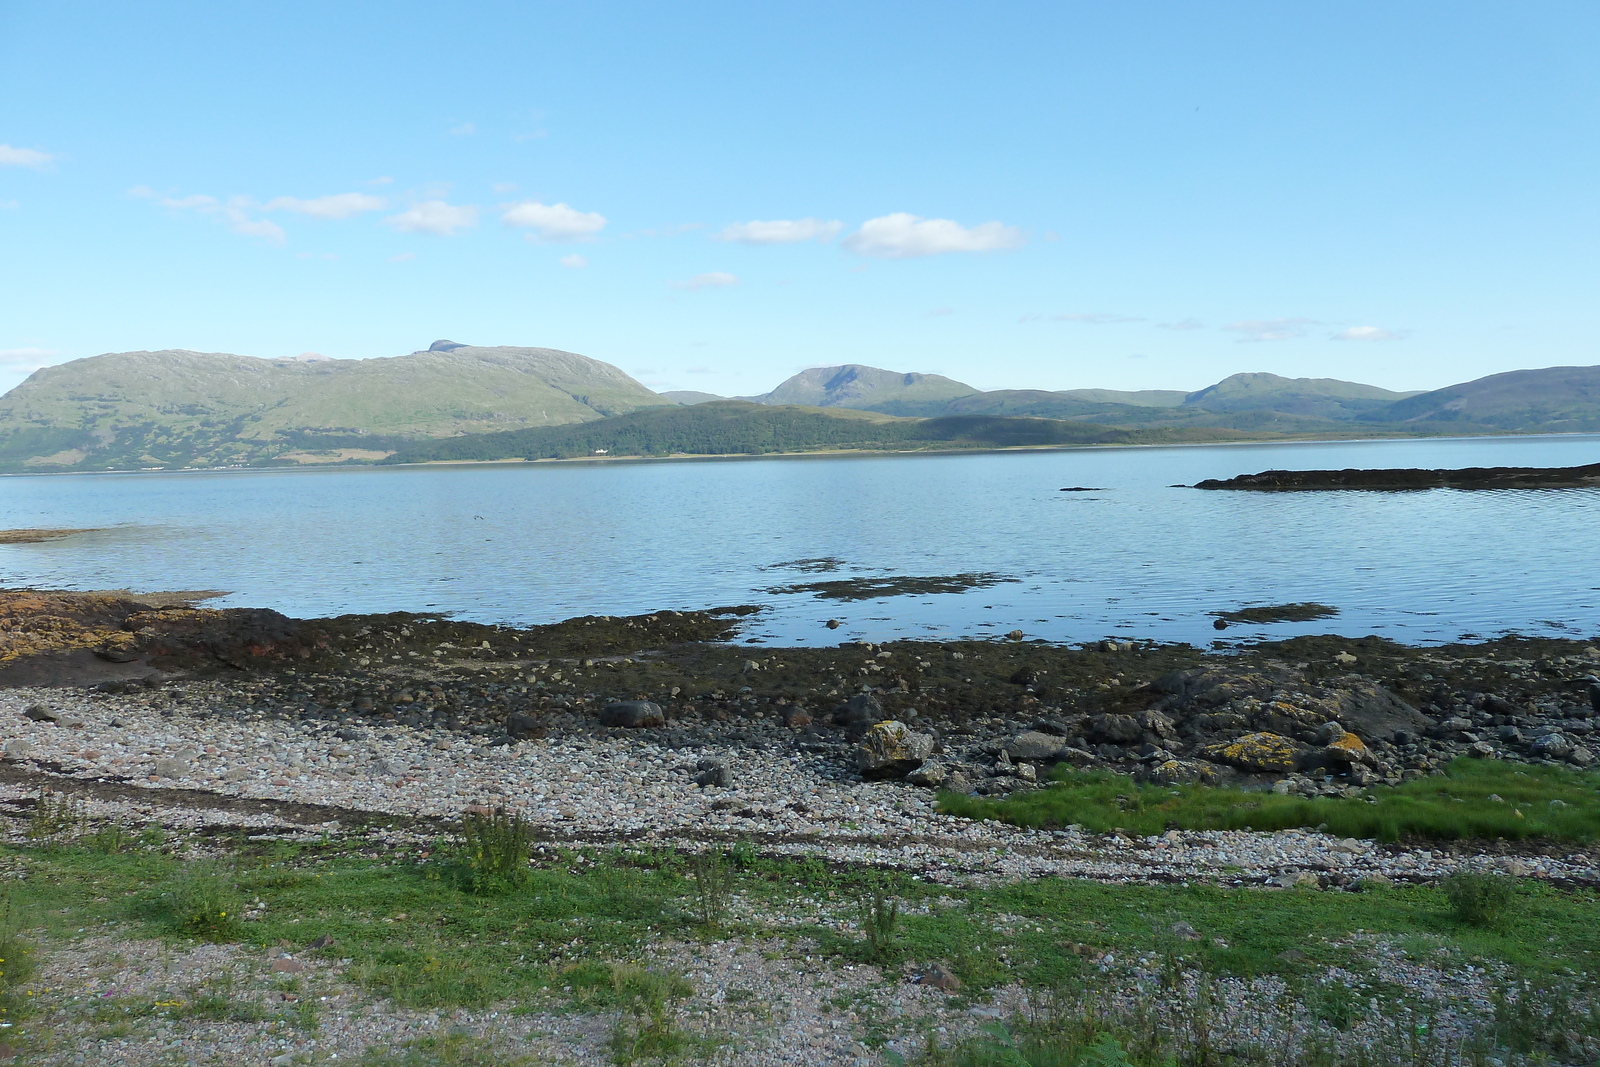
x,y
715,195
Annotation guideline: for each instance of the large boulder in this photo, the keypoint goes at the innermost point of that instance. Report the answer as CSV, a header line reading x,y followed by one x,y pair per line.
x,y
892,750
1265,753
632,714
1034,744
1372,712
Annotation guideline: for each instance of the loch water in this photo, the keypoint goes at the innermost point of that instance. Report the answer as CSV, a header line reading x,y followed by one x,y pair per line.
x,y
1137,557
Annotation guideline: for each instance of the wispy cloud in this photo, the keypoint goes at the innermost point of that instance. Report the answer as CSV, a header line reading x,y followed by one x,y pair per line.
x,y
402,257
1368,333
25,157
379,181
941,312
336,206
10,205
1182,324
904,236
240,213
465,129
1095,318
780,231
435,217
553,222
1269,329
574,261
717,279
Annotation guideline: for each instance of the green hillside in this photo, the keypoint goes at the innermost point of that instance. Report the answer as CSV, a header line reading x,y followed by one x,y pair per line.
x,y
1551,400
733,427
1326,398
179,408
868,389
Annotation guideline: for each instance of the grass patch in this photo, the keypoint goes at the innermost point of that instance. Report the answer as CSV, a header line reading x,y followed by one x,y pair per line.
x,y
1306,611
1481,799
413,931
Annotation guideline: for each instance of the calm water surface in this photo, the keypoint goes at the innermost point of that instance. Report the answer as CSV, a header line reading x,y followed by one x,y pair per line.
x,y
534,543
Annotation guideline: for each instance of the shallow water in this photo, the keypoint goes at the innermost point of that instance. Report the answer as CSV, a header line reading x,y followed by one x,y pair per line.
x,y
534,543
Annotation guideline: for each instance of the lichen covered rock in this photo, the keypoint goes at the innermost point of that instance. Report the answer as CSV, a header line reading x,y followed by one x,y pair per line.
x,y
892,750
1264,752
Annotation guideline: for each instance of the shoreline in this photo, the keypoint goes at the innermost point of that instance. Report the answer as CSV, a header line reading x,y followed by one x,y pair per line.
x,y
325,767
819,454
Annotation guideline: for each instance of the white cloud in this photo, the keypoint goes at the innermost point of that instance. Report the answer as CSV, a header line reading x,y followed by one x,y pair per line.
x,y
29,359
717,279
434,216
575,261
1183,324
553,222
1095,318
780,231
1368,333
266,229
336,206
24,157
903,236
1269,329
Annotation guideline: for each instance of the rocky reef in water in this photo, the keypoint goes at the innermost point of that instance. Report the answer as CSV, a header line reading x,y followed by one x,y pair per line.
x,y
1413,478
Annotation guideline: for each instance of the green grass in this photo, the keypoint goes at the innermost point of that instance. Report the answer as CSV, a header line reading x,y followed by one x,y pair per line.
x,y
414,930
1534,802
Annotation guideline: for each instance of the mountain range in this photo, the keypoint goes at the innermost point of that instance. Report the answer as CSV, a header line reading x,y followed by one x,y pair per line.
x,y
177,408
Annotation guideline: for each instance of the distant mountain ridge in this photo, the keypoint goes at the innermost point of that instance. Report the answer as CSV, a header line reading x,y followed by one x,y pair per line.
x,y
177,408
928,395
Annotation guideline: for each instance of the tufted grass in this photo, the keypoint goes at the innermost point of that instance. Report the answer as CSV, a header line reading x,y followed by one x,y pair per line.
x,y
1534,802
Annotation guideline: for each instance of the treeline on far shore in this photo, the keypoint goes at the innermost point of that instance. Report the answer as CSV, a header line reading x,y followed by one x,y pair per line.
x,y
737,428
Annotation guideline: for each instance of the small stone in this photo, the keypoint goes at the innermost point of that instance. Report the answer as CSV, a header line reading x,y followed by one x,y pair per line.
x,y
795,716
940,977
833,624
1481,750
930,774
1580,757
1344,659
1032,744
285,965
19,748
712,772
40,713
1016,635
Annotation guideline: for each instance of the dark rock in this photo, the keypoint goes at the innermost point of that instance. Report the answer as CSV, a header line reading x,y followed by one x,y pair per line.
x,y
1115,729
40,713
795,716
524,727
632,714
858,714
